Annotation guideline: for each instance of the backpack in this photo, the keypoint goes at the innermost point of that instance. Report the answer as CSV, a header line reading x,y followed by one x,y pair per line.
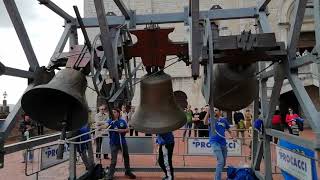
x,y
299,122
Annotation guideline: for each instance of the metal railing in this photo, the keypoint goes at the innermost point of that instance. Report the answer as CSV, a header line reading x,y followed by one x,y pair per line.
x,y
181,150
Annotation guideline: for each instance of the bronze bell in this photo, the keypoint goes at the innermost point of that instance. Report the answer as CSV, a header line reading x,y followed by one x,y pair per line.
x,y
61,100
158,112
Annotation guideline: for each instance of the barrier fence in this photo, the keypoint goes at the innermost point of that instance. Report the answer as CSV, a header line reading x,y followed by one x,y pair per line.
x,y
187,149
141,146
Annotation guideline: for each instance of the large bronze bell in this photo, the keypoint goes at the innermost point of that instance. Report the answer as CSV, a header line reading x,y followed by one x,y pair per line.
x,y
158,112
61,101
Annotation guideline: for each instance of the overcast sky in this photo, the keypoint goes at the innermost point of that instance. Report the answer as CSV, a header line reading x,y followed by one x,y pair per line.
x,y
44,28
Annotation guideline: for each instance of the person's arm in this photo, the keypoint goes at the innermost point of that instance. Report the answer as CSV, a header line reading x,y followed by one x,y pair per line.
x,y
103,124
228,129
125,128
206,118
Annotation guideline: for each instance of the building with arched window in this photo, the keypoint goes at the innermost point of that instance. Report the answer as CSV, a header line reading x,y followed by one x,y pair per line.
x,y
280,15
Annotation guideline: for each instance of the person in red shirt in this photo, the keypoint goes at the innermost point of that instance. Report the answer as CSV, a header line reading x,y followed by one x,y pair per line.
x,y
276,123
289,118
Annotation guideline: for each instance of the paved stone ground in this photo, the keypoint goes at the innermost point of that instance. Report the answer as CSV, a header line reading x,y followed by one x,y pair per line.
x,y
14,169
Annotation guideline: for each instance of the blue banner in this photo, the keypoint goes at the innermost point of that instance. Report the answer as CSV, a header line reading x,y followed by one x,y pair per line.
x,y
299,150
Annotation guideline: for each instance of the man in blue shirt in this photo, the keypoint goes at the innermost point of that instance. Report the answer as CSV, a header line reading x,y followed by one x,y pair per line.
x,y
166,146
118,129
217,140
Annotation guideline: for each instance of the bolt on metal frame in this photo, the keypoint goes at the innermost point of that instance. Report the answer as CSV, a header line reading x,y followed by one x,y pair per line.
x,y
286,69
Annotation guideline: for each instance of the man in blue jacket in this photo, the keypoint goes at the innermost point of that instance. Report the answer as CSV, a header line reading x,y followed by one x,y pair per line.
x,y
118,129
166,146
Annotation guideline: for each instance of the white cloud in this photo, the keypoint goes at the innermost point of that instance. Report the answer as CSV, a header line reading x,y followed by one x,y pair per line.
x,y
44,28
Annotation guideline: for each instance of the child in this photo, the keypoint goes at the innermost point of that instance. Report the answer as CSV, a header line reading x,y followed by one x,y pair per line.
x,y
294,128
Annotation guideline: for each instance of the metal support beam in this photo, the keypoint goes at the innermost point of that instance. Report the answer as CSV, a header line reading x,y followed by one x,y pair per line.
x,y
124,10
83,29
179,17
267,153
275,95
265,27
291,138
123,85
90,154
258,157
195,38
263,93
295,27
259,175
18,73
22,33
267,74
303,61
106,41
62,42
264,23
297,63
305,101
254,143
316,14
262,5
72,162
57,10
73,37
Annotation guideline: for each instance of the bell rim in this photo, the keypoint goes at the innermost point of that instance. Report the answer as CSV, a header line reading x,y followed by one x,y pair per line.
x,y
28,110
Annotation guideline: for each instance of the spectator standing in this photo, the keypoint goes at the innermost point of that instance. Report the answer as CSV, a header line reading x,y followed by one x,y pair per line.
x,y
204,128
276,123
100,119
188,125
124,113
26,128
248,119
166,146
237,116
132,110
289,118
196,121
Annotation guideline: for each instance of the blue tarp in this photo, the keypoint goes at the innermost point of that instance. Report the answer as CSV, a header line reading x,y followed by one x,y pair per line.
x,y
240,173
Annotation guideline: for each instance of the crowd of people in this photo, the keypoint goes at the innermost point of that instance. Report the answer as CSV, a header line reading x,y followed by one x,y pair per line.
x,y
198,122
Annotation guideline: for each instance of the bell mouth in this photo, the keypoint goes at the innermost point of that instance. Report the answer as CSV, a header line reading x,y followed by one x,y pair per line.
x,y
51,107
